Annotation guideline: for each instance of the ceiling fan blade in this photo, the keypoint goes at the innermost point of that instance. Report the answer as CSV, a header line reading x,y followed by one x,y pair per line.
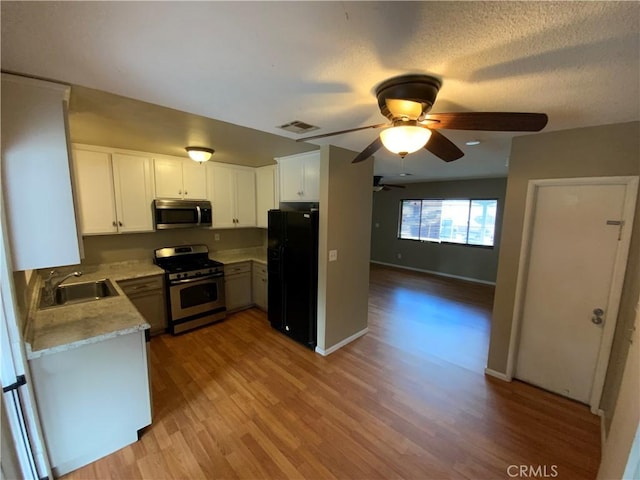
x,y
404,108
391,185
370,150
442,147
489,121
378,125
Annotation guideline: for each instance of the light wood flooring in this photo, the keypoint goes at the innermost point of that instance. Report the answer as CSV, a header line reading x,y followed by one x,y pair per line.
x,y
407,400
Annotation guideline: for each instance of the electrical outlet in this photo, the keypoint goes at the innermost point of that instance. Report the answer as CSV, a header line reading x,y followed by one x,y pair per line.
x,y
399,255
333,255
377,225
216,237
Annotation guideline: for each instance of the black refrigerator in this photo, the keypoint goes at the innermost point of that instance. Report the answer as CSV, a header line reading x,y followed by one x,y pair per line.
x,y
292,265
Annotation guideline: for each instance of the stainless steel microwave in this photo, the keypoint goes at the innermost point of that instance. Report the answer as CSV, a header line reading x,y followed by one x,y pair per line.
x,y
168,213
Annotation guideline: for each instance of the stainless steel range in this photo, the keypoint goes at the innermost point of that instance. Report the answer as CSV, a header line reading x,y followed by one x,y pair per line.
x,y
195,286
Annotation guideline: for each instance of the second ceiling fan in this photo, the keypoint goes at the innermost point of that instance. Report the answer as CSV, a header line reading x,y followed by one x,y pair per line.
x,y
406,101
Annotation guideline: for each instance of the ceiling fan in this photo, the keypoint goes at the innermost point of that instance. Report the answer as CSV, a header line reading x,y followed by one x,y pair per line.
x,y
378,185
406,101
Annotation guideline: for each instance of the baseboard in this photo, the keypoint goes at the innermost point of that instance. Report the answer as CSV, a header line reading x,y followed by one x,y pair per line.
x,y
432,272
603,432
341,344
493,373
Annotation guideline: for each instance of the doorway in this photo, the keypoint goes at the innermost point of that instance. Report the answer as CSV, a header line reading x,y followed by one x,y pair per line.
x,y
572,263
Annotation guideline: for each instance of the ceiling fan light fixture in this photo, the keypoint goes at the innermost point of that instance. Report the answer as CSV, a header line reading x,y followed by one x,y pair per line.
x,y
199,154
405,139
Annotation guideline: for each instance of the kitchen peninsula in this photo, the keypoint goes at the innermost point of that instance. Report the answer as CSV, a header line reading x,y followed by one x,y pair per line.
x,y
98,344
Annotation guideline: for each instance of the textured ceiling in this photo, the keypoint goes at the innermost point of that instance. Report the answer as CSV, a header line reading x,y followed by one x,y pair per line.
x,y
262,64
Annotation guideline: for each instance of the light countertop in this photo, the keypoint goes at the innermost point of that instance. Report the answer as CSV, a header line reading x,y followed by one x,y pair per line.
x,y
256,254
57,329
65,327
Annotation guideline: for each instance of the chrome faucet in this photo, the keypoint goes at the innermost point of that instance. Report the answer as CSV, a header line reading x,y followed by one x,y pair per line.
x,y
50,285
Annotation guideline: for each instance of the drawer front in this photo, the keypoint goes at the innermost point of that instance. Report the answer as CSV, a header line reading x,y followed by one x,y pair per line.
x,y
142,284
259,268
235,268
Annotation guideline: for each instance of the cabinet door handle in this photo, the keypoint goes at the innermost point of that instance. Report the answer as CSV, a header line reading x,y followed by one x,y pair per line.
x,y
186,193
120,224
179,192
114,223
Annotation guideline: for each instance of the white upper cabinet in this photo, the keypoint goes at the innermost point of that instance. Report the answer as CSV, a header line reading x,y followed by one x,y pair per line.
x,y
36,180
180,178
232,191
94,191
133,186
114,190
267,196
194,179
300,177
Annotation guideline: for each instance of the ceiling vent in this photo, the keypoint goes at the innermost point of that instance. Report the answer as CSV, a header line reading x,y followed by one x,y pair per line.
x,y
298,127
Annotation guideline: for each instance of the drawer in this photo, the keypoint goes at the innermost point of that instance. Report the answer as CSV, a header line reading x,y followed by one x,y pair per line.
x,y
235,268
259,268
142,284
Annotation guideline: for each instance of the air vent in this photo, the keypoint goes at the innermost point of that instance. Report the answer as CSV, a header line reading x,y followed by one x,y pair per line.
x,y
298,127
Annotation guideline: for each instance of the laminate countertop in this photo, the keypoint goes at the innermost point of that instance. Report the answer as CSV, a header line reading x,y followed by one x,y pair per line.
x,y
255,254
62,328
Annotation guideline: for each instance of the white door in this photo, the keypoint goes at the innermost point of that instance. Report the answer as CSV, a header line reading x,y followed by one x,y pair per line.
x,y
577,249
133,185
222,191
195,180
266,197
168,173
94,186
311,189
245,197
291,179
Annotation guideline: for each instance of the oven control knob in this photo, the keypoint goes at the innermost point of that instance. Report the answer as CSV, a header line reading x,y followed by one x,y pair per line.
x,y
198,274
211,270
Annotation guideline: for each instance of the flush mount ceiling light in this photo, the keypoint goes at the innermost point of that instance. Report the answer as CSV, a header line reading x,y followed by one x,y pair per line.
x,y
199,154
405,139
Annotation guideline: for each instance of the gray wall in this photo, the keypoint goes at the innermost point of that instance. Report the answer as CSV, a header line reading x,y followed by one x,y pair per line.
x,y
345,225
140,246
608,150
457,260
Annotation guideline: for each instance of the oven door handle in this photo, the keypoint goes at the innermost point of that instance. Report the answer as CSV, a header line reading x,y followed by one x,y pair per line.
x,y
198,279
199,214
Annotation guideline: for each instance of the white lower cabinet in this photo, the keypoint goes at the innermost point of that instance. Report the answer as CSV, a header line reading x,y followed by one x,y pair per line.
x,y
92,399
114,191
237,286
260,285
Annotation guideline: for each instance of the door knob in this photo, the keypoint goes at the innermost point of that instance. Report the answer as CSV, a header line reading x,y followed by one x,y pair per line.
x,y
597,316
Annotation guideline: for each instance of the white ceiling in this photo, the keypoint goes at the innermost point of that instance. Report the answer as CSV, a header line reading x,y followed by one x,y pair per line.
x,y
262,64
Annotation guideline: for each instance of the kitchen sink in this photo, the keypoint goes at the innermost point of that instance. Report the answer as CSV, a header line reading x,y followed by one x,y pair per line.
x,y
78,293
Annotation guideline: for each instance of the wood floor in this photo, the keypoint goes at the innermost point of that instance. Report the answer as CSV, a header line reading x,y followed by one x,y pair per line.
x,y
407,400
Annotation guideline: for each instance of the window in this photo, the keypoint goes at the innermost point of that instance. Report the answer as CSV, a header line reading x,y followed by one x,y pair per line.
x,y
468,222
